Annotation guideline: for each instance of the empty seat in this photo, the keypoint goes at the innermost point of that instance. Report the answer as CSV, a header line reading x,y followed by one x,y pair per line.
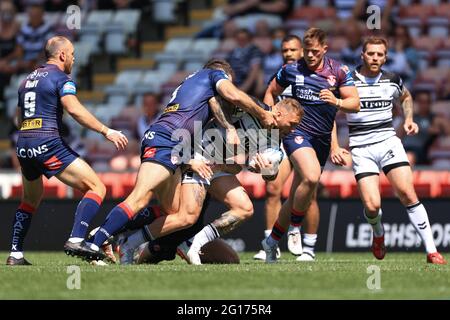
x,y
438,27
115,40
100,18
128,18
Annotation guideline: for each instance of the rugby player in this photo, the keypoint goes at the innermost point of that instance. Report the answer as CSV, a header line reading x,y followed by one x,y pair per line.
x,y
43,97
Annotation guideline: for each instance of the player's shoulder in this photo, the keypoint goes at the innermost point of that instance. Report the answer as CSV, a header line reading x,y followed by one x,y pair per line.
x,y
337,66
388,76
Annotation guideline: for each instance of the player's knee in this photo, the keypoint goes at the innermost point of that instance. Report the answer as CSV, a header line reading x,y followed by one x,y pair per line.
x,y
273,190
372,208
311,181
246,210
100,190
407,197
188,220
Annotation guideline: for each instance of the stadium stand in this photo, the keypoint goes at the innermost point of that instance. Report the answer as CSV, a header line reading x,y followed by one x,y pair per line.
x,y
124,53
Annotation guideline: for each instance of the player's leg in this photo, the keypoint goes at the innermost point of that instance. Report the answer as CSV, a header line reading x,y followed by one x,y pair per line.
x,y
401,179
311,226
150,175
369,192
79,175
366,170
31,198
228,190
270,243
273,201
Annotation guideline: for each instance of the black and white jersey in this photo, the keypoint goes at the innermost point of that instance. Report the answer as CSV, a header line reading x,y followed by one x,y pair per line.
x,y
373,123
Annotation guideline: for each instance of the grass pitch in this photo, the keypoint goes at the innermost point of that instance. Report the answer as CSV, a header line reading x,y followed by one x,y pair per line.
x,y
334,276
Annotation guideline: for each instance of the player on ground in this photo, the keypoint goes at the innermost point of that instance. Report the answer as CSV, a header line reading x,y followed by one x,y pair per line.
x,y
375,146
316,80
189,104
43,96
223,185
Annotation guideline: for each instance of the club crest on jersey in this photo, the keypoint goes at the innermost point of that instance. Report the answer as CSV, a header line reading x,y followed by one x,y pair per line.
x,y
331,80
299,80
298,139
149,152
175,160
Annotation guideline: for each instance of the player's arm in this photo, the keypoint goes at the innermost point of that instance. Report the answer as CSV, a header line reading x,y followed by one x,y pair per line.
x,y
272,92
338,155
222,114
239,98
73,106
406,101
18,118
349,102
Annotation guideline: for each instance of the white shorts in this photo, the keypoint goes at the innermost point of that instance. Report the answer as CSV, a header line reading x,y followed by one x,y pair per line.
x,y
193,178
385,155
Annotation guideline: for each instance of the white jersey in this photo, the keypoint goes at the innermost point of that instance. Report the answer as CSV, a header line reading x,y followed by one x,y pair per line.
x,y
373,123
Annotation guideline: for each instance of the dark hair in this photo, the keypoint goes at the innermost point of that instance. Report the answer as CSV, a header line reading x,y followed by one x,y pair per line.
x,y
292,106
375,40
53,45
291,37
218,64
315,34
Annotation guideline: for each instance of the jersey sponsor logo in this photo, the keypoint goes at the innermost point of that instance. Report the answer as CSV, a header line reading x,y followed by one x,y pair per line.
x,y
173,108
306,94
31,83
69,88
149,135
375,104
331,80
299,80
299,139
53,163
149,152
31,152
36,74
31,124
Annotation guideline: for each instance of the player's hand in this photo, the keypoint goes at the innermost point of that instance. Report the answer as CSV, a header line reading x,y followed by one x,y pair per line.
x,y
339,156
268,121
411,128
233,137
328,96
261,165
201,168
116,137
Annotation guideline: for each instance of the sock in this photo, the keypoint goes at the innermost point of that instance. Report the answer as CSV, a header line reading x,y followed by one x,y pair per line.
x,y
143,218
376,224
267,233
86,211
297,218
419,219
309,242
115,220
277,232
21,224
207,234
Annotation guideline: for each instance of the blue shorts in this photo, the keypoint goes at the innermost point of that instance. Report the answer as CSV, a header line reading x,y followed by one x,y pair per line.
x,y
301,139
43,156
157,146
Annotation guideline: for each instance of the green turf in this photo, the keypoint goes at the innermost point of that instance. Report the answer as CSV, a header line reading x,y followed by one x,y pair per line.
x,y
335,276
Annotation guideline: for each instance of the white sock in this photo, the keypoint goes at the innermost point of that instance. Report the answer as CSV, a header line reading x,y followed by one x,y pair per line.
x,y
267,233
376,224
75,240
94,247
136,239
419,219
207,234
309,242
17,254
